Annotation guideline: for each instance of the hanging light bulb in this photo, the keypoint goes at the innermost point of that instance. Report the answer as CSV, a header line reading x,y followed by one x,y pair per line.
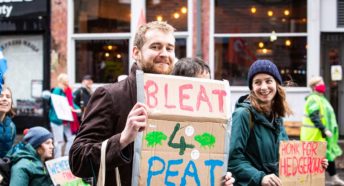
x,y
184,10
176,15
261,44
287,42
253,10
159,18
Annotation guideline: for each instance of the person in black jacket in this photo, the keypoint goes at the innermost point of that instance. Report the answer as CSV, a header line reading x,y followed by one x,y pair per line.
x,y
83,94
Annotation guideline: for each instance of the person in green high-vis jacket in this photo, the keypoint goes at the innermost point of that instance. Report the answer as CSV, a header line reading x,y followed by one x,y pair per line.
x,y
320,124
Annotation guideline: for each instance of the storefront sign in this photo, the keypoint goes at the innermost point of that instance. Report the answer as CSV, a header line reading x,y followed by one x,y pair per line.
x,y
15,8
19,42
336,73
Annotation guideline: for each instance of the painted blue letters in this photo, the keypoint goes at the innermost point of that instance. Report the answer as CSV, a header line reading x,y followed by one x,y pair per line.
x,y
212,164
154,173
170,173
187,172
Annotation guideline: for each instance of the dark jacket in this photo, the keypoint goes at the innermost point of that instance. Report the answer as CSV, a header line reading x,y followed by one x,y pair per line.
x,y
105,118
27,167
8,134
81,97
254,144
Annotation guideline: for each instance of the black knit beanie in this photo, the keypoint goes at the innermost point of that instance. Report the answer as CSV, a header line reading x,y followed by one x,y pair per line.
x,y
263,66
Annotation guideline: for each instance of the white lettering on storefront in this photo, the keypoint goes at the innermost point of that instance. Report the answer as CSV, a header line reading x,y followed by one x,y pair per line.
x,y
6,10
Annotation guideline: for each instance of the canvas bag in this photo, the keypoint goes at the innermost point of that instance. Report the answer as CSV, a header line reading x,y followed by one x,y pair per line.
x,y
102,168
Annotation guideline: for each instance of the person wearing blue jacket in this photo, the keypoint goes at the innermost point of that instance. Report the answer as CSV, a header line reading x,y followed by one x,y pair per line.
x,y
28,158
8,130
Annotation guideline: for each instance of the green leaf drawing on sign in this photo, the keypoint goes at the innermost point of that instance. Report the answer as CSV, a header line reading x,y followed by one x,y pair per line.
x,y
206,140
154,138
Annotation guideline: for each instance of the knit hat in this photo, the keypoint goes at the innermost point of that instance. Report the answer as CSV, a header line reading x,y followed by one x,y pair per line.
x,y
36,136
87,77
263,66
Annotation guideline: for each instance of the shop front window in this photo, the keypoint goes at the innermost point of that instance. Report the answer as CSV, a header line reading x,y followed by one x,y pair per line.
x,y
175,12
180,48
234,56
102,16
256,16
105,60
247,30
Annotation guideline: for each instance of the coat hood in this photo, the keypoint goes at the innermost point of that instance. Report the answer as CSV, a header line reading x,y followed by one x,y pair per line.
x,y
22,150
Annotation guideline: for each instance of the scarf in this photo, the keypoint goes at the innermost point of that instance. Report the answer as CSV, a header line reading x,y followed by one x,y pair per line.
x,y
74,125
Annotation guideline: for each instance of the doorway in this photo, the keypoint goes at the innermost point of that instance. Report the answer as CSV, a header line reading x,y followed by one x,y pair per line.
x,y
332,53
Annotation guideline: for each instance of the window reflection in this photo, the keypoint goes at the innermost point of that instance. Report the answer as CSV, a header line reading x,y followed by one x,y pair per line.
x,y
233,57
180,48
101,16
257,16
172,11
104,60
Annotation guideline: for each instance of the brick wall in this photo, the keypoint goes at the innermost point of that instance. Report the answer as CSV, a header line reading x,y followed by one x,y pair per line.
x,y
58,39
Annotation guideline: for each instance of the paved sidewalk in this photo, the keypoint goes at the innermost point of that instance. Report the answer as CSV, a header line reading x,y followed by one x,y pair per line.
x,y
340,173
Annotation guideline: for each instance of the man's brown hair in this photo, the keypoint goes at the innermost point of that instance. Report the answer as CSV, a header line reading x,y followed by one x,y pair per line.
x,y
140,38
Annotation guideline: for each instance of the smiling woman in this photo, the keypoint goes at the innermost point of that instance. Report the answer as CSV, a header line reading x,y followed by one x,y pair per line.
x,y
8,129
259,114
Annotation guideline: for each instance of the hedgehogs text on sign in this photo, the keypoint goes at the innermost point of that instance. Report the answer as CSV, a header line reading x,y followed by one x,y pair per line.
x,y
185,142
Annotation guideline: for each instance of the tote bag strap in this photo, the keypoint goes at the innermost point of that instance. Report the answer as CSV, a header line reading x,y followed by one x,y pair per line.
x,y
102,168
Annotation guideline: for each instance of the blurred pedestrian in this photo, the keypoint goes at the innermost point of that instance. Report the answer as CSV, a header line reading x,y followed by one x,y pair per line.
x,y
61,128
8,130
320,124
28,158
83,94
196,67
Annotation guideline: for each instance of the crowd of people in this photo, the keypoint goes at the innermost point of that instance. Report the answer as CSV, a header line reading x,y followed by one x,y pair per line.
x,y
112,112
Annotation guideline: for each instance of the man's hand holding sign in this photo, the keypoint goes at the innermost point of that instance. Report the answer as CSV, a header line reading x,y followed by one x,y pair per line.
x,y
136,122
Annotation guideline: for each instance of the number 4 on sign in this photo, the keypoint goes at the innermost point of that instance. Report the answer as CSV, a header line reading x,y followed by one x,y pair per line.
x,y
181,145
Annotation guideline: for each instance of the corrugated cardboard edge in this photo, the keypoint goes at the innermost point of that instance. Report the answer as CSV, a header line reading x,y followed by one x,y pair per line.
x,y
138,139
228,129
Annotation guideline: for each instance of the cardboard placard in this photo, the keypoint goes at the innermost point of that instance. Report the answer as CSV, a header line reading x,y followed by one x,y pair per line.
x,y
186,141
62,108
300,163
61,174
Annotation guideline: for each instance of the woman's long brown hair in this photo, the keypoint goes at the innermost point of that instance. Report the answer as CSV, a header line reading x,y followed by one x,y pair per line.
x,y
280,105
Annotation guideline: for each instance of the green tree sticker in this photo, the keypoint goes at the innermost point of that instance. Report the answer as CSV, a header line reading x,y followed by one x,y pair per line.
x,y
206,140
154,138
